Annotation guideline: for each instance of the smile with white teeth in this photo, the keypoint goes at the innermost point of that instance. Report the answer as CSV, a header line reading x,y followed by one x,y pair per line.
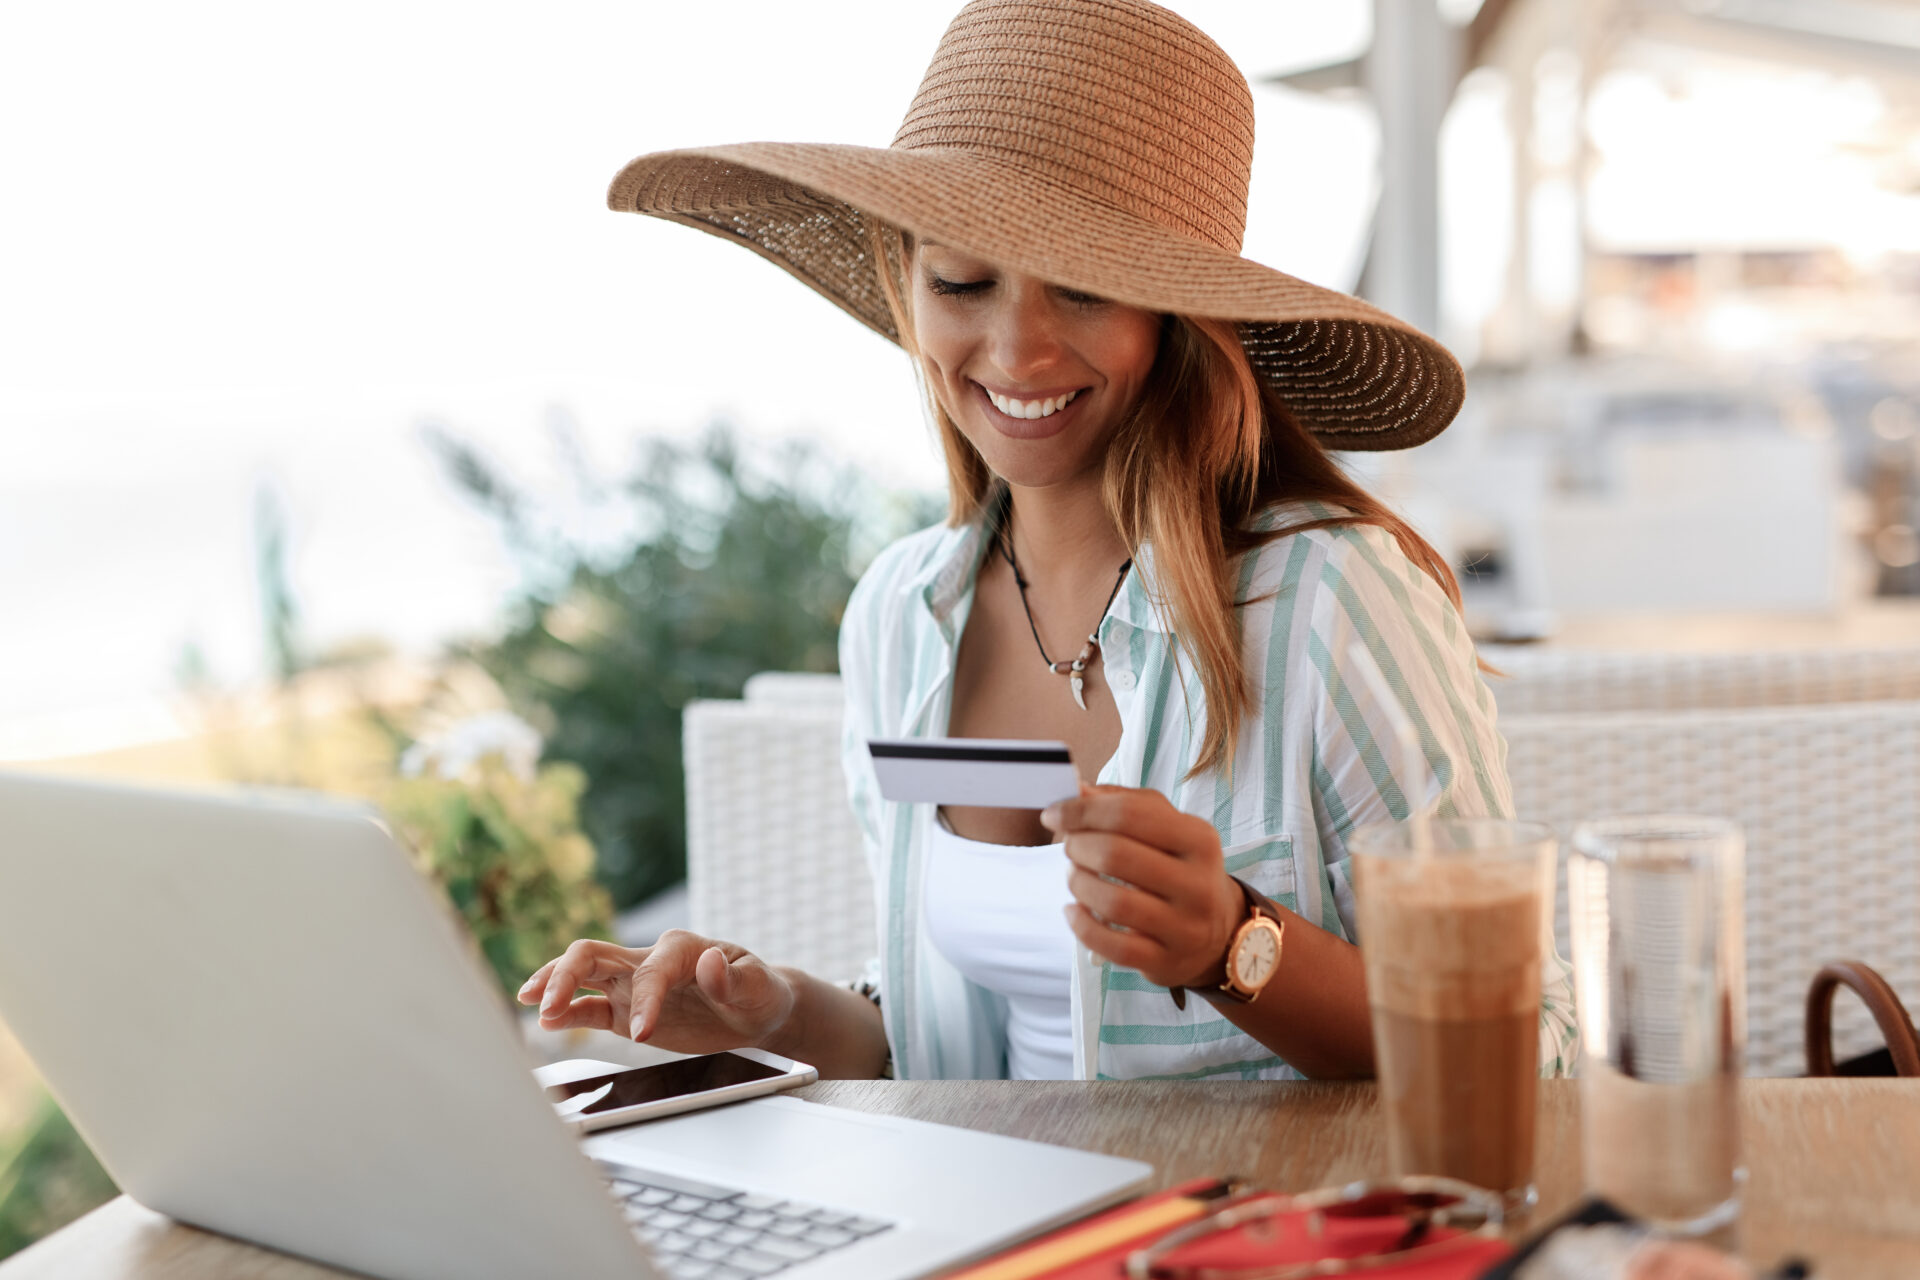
x,y
1030,408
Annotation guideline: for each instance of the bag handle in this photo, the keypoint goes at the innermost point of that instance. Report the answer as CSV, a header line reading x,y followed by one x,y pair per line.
x,y
1888,1013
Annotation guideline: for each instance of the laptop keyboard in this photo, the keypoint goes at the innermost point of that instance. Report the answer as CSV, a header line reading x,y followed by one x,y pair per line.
x,y
699,1231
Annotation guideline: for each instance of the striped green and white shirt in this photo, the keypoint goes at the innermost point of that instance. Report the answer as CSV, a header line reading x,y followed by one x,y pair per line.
x,y
1311,765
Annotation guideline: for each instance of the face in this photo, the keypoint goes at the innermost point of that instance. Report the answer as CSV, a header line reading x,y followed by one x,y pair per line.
x,y
1035,376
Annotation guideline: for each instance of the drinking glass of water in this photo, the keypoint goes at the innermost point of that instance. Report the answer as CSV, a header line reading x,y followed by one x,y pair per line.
x,y
1659,973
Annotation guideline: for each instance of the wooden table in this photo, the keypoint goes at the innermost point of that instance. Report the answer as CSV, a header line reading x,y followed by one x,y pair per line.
x,y
1835,1164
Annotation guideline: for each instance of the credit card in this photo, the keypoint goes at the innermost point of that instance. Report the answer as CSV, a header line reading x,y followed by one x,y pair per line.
x,y
999,773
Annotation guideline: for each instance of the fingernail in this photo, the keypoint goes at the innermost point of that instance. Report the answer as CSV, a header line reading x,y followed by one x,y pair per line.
x,y
1050,816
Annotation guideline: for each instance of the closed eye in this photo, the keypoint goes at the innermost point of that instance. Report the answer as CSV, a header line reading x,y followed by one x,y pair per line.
x,y
956,287
967,288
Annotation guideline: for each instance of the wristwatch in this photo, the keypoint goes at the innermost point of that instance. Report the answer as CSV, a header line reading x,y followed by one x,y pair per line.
x,y
1253,955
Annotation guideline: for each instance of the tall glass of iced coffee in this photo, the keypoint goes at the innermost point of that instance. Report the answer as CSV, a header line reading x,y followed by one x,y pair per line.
x,y
1453,917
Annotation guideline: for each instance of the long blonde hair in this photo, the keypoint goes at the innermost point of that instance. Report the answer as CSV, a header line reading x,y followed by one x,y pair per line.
x,y
1207,448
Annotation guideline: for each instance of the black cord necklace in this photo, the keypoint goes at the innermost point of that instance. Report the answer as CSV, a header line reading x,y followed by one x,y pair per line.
x,y
1076,669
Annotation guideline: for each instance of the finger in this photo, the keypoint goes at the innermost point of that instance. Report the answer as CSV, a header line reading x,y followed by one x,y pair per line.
x,y
536,985
587,963
576,967
1143,814
596,1013
1124,905
714,975
1128,950
669,964
1123,858
530,990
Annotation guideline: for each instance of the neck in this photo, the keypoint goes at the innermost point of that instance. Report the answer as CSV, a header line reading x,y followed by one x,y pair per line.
x,y
1063,536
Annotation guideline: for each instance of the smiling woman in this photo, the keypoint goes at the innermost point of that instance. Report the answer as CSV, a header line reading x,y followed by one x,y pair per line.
x,y
1023,361
1149,554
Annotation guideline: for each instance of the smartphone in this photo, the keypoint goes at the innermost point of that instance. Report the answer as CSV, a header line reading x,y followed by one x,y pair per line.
x,y
667,1088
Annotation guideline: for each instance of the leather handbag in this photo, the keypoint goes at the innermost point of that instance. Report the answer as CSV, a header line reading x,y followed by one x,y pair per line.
x,y
1901,1057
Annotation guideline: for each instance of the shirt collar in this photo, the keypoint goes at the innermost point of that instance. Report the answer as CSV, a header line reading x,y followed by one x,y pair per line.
x,y
945,579
1135,604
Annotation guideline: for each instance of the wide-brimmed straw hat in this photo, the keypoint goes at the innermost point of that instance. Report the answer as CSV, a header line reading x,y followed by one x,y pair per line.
x,y
1101,145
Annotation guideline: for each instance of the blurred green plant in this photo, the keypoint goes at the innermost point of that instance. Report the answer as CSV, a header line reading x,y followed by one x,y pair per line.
x,y
47,1180
723,567
508,851
727,566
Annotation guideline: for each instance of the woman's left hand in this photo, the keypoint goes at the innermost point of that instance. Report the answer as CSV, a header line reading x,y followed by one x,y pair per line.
x,y
1176,910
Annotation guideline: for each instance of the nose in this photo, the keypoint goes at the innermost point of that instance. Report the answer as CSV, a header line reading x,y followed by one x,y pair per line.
x,y
1024,338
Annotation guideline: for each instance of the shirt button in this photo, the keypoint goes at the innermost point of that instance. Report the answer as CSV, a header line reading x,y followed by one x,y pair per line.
x,y
1121,679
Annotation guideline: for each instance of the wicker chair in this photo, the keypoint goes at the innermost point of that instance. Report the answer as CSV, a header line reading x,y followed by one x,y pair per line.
x,y
1571,681
795,689
774,861
1829,798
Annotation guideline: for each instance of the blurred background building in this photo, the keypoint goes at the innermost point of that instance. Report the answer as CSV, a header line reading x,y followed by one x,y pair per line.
x,y
1686,286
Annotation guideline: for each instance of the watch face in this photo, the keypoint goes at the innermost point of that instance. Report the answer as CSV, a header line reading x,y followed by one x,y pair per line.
x,y
1254,958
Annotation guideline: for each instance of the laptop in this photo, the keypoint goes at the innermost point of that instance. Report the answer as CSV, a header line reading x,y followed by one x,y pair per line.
x,y
267,1024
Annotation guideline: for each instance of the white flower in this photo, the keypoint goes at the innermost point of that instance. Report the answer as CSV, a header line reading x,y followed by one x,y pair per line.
x,y
451,753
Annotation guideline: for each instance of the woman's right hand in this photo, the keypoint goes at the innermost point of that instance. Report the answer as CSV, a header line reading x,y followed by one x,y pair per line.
x,y
685,993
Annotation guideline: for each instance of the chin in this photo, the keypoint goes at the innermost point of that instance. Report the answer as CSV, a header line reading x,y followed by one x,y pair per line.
x,y
1037,464
1039,468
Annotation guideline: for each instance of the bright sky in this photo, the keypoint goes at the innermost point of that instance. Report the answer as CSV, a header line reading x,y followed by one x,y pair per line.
x,y
251,245
248,245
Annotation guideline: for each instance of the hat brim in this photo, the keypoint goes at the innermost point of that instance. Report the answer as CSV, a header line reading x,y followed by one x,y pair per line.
x,y
1354,375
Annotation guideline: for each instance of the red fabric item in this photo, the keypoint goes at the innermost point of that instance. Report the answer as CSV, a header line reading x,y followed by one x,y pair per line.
x,y
1272,1241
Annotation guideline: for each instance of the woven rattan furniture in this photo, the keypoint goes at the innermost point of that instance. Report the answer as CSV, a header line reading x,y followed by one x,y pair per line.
x,y
1829,798
774,861
794,688
1545,681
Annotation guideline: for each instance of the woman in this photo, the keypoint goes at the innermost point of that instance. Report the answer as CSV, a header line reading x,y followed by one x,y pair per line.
x,y
1148,555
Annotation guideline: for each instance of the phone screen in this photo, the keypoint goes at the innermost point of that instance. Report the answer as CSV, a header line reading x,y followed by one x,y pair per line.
x,y
663,1080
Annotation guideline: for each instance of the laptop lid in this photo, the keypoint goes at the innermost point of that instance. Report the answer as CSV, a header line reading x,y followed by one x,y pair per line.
x,y
265,1023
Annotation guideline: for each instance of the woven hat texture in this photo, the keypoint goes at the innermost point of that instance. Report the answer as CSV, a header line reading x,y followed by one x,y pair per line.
x,y
1102,145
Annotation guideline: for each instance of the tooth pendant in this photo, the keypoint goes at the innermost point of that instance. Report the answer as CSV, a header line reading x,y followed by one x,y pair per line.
x,y
1075,672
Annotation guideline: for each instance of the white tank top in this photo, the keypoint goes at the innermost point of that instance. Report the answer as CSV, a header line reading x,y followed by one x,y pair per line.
x,y
993,910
